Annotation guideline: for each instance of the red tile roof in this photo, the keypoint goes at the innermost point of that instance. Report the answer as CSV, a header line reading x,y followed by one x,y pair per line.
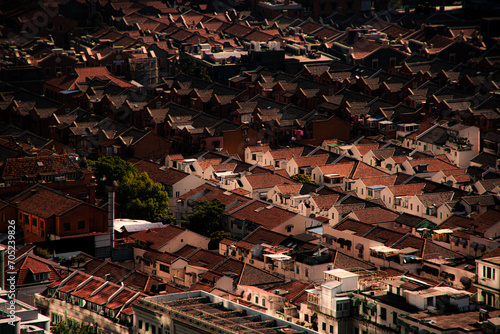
x,y
311,161
206,259
260,181
358,227
375,215
84,74
263,214
17,168
410,189
44,202
287,153
160,174
158,237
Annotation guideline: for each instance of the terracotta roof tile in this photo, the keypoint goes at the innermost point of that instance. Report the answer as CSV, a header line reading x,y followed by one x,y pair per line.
x,y
375,215
311,161
44,202
264,236
287,153
260,181
410,189
386,180
365,148
264,214
204,258
185,251
253,276
158,237
358,227
160,174
325,202
365,170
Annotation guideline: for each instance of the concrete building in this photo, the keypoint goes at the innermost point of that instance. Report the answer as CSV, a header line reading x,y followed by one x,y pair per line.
x,y
202,312
25,320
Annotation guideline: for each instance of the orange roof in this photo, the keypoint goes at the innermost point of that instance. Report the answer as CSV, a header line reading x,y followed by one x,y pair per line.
x,y
85,74
407,189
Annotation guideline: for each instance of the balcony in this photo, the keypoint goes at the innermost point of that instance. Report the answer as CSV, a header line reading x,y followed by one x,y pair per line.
x,y
459,144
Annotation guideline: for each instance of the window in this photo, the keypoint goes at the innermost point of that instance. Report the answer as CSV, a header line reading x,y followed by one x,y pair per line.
x,y
66,226
153,329
374,64
34,221
411,206
331,328
177,194
298,270
324,326
164,268
383,313
140,324
263,302
370,192
256,299
81,224
392,62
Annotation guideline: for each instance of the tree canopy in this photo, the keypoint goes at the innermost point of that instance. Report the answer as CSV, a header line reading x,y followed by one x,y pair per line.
x,y
73,328
139,196
206,217
192,68
302,178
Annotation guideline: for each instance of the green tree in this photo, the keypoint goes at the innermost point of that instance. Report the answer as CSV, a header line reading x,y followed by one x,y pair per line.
x,y
73,328
216,237
95,20
110,168
302,178
206,217
139,196
192,68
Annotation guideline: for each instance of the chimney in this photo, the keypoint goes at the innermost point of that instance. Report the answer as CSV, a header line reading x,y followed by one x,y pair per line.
x,y
111,186
2,267
178,213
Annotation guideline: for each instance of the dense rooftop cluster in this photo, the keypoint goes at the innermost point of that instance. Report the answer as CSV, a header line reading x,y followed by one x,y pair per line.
x,y
353,148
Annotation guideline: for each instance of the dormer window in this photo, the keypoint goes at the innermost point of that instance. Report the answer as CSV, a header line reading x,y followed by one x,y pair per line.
x,y
40,277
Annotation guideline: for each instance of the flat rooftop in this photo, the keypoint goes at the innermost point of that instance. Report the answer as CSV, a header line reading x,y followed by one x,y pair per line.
x,y
465,321
227,316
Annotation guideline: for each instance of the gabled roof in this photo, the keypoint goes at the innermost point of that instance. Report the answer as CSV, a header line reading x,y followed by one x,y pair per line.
x,y
156,238
287,153
44,202
261,235
204,258
263,213
311,161
375,215
160,174
261,181
254,277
